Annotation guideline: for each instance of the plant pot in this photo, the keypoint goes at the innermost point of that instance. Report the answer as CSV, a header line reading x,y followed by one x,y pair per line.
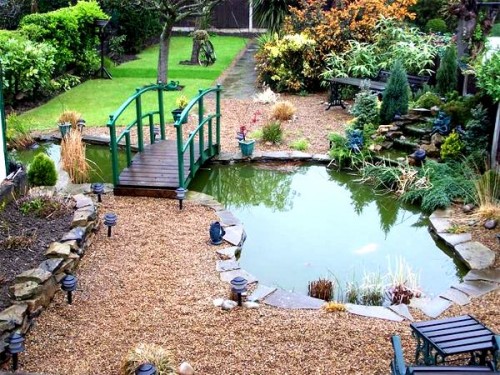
x,y
176,114
247,147
64,129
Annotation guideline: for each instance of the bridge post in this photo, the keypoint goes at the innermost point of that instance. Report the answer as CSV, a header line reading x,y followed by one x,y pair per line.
x,y
161,109
138,112
113,148
180,155
217,113
200,120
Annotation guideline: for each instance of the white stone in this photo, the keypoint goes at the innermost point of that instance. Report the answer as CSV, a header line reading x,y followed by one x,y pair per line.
x,y
218,302
186,369
251,305
229,305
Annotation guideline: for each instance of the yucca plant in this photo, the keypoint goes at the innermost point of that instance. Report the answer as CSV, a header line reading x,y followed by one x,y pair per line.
x,y
161,358
73,157
488,194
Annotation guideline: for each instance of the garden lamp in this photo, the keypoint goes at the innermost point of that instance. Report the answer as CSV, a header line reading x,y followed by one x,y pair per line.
x,y
68,284
146,369
80,124
110,221
216,233
98,188
180,194
64,129
16,346
239,286
101,24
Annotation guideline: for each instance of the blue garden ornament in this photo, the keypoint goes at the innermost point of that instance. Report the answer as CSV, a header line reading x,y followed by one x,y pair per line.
x,y
146,369
419,155
216,233
441,124
16,346
354,139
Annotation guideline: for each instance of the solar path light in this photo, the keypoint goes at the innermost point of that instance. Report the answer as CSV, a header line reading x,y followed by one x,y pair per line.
x,y
98,188
180,194
110,221
16,346
239,286
68,284
146,369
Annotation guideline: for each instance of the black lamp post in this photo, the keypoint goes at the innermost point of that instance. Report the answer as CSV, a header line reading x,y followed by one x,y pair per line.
x,y
98,188
146,369
110,221
68,284
16,346
101,24
239,286
180,194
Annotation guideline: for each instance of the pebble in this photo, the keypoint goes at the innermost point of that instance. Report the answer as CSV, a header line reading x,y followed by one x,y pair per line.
x,y
218,302
186,369
490,224
468,208
228,305
251,305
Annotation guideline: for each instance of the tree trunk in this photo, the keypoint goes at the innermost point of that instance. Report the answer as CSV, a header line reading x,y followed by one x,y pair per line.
x,y
194,52
162,75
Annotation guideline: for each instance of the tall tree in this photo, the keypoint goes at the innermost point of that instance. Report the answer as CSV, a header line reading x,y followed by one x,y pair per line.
x,y
170,13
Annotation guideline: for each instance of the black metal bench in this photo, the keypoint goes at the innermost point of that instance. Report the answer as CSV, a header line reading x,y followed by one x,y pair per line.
x,y
398,366
376,84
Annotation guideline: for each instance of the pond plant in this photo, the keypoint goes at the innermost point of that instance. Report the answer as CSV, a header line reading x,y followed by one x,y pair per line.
x,y
322,288
73,157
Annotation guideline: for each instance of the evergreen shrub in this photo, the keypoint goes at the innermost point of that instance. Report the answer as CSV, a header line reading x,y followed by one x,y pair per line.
x,y
446,75
42,171
428,100
365,109
396,94
477,130
436,25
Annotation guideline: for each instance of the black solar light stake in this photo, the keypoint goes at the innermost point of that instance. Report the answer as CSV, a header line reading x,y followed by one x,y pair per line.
x,y
16,346
68,284
110,221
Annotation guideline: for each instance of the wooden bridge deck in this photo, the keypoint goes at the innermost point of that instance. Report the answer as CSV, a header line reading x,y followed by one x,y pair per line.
x,y
154,172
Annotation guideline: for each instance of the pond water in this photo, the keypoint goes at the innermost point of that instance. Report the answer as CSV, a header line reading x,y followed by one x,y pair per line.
x,y
98,156
306,222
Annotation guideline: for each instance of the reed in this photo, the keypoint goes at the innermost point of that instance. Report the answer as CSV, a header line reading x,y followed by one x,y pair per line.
x,y
488,194
73,157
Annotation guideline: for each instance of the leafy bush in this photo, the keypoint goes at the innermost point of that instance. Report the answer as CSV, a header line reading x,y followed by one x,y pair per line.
x,y
459,108
300,144
426,10
365,109
42,171
436,25
488,75
18,132
395,99
283,111
495,30
446,75
428,100
41,206
452,146
272,132
477,130
342,155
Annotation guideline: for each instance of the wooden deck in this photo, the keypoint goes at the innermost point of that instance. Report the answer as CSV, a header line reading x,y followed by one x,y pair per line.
x,y
154,172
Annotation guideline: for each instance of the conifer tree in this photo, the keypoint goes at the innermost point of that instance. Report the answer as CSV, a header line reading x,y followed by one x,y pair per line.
x,y
395,100
446,75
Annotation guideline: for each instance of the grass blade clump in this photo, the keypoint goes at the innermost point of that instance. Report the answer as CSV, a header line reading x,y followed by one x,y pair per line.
x,y
73,157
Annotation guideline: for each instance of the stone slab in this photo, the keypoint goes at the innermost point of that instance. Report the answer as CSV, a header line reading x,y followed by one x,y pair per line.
x,y
440,224
373,312
229,253
453,239
261,292
446,213
83,201
77,234
14,314
227,218
235,235
229,275
402,310
454,295
227,265
52,264
492,275
435,307
25,290
321,158
288,300
37,275
475,255
58,250
476,288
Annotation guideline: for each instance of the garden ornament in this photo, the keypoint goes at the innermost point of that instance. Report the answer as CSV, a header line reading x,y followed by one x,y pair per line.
x,y
216,233
441,124
354,139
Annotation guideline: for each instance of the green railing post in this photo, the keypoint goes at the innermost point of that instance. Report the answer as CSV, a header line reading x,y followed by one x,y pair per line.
x,y
3,122
217,113
113,148
200,120
138,111
210,140
180,155
151,128
161,109
128,150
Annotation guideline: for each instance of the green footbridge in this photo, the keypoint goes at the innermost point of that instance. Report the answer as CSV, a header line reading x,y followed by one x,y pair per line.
x,y
154,165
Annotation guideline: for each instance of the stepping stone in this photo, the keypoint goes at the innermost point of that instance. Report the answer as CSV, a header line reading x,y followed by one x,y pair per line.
x,y
321,158
300,155
260,293
418,303
475,288
373,312
227,265
475,255
235,235
435,307
484,275
288,300
227,276
446,213
440,224
454,239
229,253
227,218
83,201
454,295
402,310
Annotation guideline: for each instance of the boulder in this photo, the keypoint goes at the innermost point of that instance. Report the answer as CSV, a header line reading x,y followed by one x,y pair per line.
x,y
58,250
490,224
83,216
25,290
38,275
14,314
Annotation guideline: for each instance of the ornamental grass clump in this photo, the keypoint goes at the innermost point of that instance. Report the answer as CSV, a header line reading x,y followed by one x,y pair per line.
x,y
322,289
272,132
403,282
283,111
161,358
488,195
73,158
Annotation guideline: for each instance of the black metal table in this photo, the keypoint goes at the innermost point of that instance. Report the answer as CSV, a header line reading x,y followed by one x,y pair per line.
x,y
335,96
438,339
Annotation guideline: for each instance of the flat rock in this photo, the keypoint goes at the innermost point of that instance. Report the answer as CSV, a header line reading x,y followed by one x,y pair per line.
x,y
235,235
83,201
260,293
14,314
77,234
228,305
373,312
229,253
321,158
492,275
229,275
227,265
446,213
58,250
435,307
439,224
83,216
402,310
288,300
37,275
227,218
250,305
475,255
51,265
476,288
25,290
453,239
454,295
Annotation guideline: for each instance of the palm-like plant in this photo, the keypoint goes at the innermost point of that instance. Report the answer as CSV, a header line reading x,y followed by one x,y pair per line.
x,y
271,13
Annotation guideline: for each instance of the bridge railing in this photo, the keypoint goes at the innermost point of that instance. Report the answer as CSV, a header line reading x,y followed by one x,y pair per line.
x,y
115,141
203,134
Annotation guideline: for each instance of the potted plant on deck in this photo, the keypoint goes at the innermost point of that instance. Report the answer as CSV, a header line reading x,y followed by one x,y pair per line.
x,y
181,102
246,145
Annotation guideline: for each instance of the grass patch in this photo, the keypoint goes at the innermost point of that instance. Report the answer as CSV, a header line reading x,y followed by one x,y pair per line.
x,y
96,99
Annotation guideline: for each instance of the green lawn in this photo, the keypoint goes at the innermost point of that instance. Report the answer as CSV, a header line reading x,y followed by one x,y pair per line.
x,y
98,98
